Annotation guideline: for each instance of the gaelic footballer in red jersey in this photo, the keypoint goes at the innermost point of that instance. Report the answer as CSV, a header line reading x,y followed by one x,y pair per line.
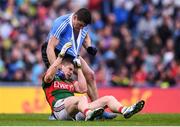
x,y
60,90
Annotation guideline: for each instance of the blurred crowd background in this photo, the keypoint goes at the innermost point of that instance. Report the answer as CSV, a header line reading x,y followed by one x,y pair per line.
x,y
138,41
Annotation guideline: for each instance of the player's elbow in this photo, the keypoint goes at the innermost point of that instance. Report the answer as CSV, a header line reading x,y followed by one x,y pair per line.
x,y
49,49
48,78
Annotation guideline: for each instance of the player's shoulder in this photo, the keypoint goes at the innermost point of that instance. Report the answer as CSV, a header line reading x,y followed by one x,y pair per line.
x,y
63,18
61,22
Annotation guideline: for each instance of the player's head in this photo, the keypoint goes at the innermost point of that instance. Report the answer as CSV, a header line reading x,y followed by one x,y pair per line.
x,y
67,67
81,18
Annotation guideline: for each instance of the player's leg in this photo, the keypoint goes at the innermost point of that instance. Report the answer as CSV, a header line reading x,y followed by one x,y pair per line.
x,y
90,78
108,101
116,106
83,108
80,102
60,112
44,55
72,106
65,109
92,88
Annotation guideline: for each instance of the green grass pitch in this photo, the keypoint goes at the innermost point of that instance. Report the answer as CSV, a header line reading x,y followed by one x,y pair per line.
x,y
136,120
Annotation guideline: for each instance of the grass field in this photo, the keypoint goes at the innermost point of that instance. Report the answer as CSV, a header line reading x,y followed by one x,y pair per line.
x,y
42,119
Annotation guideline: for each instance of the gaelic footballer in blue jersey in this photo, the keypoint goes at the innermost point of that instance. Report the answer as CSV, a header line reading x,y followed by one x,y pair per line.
x,y
72,28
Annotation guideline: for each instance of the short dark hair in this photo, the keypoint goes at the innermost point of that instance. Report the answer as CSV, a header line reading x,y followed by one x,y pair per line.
x,y
84,15
67,60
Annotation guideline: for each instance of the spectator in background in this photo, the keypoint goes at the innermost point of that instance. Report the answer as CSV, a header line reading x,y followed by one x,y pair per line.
x,y
165,29
176,36
147,24
146,34
121,14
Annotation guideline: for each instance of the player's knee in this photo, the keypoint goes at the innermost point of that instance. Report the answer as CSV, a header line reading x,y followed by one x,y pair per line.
x,y
90,76
109,98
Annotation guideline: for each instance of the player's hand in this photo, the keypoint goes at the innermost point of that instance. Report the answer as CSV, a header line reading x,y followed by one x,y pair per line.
x,y
64,49
77,62
92,50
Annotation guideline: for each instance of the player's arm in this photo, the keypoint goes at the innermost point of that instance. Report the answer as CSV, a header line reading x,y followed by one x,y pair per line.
x,y
87,41
87,45
49,76
53,41
56,31
80,85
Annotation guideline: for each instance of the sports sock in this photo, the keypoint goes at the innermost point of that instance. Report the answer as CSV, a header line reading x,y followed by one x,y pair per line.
x,y
86,111
121,109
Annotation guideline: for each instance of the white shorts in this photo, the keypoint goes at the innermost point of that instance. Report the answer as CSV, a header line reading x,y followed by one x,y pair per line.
x,y
60,112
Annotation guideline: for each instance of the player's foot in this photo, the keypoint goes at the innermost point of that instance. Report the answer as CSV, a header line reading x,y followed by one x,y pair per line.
x,y
95,113
108,115
130,111
52,117
80,116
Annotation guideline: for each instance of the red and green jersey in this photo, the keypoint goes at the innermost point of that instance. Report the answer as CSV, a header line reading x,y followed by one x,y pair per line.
x,y
58,89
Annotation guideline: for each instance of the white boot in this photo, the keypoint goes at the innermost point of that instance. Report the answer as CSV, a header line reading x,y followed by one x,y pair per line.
x,y
130,111
90,115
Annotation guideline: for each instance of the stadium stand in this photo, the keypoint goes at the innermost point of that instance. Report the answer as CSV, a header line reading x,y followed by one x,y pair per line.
x,y
138,41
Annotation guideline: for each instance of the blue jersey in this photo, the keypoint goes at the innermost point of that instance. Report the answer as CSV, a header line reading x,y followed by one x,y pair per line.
x,y
62,29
